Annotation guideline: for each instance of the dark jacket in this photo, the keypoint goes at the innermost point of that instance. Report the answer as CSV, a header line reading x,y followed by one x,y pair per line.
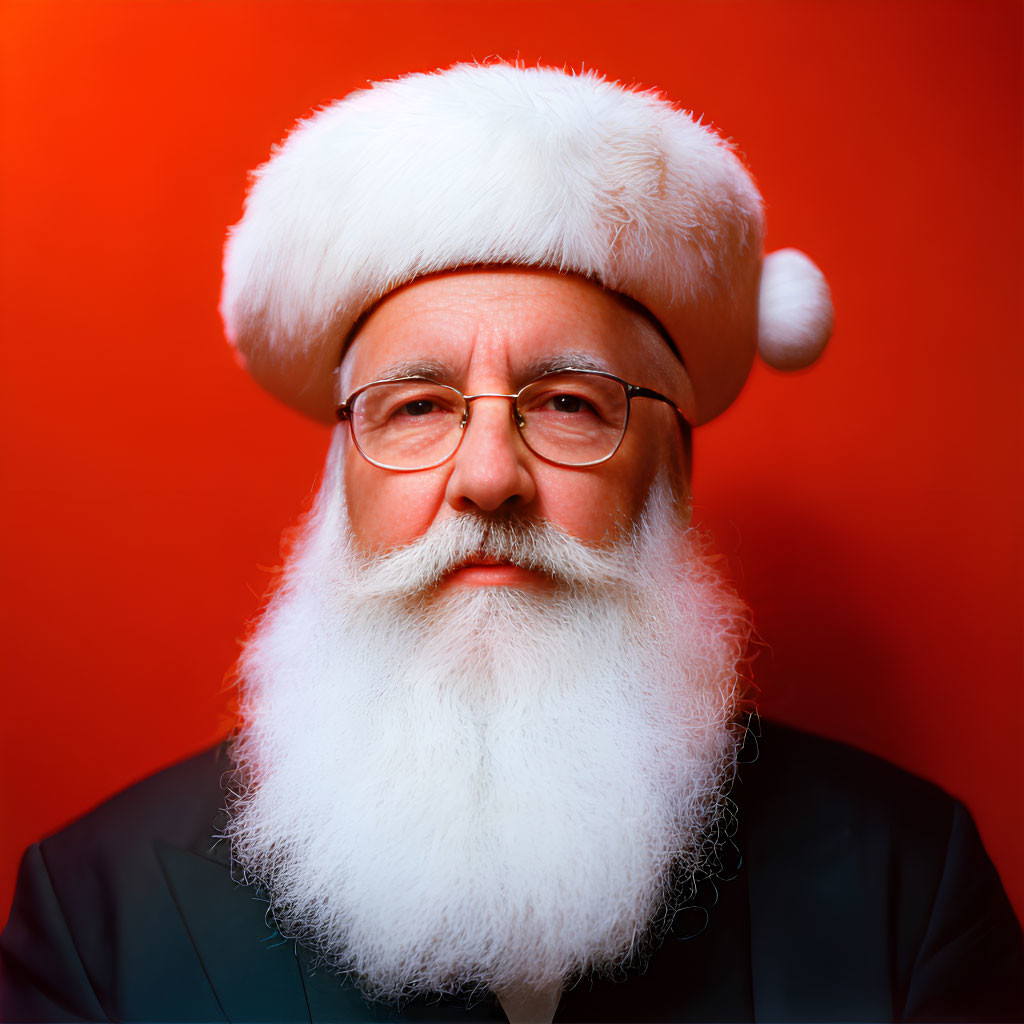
x,y
858,893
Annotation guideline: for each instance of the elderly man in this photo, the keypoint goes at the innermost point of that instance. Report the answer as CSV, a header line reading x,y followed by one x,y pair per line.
x,y
495,757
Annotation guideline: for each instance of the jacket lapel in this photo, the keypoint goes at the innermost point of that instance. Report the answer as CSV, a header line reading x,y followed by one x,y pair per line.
x,y
253,972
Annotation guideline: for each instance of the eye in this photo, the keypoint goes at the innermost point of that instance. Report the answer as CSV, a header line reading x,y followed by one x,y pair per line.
x,y
568,404
419,407
574,401
405,405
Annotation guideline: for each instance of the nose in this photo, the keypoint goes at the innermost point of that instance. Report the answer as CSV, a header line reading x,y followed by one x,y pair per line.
x,y
491,469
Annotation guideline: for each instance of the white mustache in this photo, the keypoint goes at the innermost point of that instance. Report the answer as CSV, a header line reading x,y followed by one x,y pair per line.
x,y
536,545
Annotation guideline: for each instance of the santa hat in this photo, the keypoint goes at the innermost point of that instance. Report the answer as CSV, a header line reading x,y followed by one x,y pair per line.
x,y
503,165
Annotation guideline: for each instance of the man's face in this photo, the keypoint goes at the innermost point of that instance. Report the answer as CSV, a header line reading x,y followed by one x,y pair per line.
x,y
493,331
499,787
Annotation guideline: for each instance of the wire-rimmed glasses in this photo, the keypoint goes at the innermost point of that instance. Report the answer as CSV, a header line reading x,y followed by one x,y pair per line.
x,y
569,417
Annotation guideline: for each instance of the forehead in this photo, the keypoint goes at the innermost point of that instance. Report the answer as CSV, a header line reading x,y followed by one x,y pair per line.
x,y
515,323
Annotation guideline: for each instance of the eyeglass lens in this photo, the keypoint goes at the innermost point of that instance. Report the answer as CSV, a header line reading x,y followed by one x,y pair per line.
x,y
570,418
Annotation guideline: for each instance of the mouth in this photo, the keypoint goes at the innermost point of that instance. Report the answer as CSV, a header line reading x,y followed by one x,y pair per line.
x,y
482,570
484,559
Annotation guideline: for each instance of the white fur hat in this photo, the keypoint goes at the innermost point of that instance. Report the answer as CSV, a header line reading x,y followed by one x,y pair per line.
x,y
498,164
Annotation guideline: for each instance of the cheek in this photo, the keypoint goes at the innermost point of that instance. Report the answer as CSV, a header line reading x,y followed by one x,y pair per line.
x,y
596,504
385,509
606,500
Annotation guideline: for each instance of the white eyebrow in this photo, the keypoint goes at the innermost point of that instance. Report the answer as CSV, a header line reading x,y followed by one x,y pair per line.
x,y
571,360
433,369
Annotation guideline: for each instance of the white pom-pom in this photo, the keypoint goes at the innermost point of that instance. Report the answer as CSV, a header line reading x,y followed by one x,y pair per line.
x,y
794,310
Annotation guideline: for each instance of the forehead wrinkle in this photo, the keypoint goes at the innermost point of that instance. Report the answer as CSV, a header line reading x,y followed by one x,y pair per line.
x,y
496,330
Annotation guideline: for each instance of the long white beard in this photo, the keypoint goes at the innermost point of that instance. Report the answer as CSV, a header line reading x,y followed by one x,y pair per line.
x,y
490,787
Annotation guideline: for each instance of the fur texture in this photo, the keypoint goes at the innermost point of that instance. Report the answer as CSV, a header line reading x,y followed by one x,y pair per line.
x,y
496,164
795,311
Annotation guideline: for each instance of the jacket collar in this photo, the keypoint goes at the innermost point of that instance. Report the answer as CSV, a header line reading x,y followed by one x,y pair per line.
x,y
776,946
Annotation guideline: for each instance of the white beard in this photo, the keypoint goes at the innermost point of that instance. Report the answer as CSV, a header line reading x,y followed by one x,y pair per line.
x,y
487,787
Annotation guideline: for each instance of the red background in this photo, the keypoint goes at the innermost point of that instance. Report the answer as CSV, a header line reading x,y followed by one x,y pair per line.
x,y
871,507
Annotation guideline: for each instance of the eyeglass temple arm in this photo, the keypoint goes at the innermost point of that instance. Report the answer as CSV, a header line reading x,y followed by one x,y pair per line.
x,y
635,391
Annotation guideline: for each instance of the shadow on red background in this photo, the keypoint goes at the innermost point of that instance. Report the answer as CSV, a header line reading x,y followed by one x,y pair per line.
x,y
871,507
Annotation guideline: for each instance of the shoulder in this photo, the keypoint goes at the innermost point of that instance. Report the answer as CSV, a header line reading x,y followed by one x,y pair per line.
x,y
112,854
96,926
855,861
787,749
798,774
817,809
176,806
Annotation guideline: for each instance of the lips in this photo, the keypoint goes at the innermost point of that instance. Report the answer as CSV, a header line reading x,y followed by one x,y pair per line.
x,y
483,559
481,562
492,570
